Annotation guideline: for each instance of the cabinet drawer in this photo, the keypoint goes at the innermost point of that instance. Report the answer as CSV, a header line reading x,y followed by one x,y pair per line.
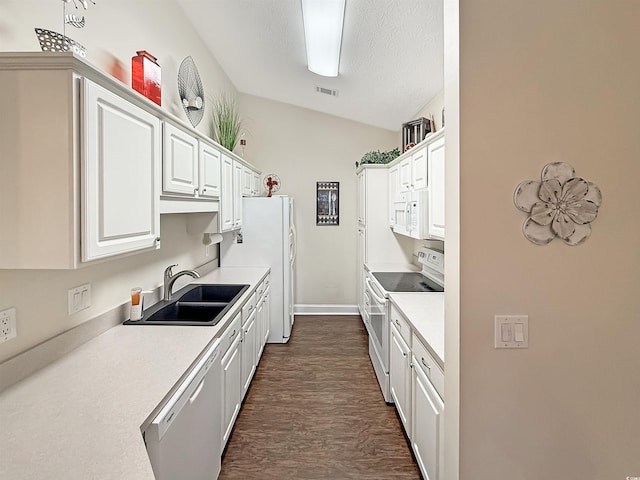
x,y
249,306
398,321
262,288
428,365
230,333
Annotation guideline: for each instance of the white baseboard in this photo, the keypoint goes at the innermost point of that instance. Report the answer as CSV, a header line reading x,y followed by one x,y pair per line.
x,y
319,309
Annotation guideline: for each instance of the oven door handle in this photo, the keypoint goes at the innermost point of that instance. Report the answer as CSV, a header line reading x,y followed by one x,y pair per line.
x,y
372,290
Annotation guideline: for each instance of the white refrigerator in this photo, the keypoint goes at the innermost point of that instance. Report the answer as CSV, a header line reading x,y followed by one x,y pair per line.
x,y
267,239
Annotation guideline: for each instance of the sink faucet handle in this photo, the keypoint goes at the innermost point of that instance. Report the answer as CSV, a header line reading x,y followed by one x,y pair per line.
x,y
168,272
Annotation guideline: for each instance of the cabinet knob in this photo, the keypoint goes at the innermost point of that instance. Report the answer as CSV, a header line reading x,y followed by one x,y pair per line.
x,y
195,190
157,240
204,190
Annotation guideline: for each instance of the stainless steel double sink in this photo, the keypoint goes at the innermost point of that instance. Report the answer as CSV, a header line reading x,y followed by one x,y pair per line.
x,y
195,304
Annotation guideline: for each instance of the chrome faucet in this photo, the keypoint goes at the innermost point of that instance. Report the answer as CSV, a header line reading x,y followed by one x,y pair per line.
x,y
170,278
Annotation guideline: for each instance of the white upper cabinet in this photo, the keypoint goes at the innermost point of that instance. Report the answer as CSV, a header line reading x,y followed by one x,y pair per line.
x,y
405,174
419,169
255,184
121,158
416,190
394,189
209,171
80,164
247,182
362,195
225,214
413,170
250,182
180,161
436,188
238,176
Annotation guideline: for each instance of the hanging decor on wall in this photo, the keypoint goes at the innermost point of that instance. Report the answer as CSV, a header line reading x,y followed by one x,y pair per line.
x,y
560,205
327,203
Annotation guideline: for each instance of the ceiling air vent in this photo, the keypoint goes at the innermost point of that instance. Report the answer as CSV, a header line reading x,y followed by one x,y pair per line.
x,y
327,91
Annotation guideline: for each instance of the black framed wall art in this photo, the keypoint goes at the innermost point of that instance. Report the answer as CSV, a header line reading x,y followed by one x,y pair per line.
x,y
327,203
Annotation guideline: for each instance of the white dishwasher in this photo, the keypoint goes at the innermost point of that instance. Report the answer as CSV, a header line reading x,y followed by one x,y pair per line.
x,y
184,440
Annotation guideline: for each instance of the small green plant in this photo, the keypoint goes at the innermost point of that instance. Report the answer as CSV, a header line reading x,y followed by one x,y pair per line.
x,y
379,157
225,121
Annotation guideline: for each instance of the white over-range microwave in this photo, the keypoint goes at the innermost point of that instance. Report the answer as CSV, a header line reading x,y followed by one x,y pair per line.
x,y
411,214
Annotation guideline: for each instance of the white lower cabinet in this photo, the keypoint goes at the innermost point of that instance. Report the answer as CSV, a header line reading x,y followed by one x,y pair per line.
x,y
266,318
417,387
249,339
259,328
232,381
400,377
427,424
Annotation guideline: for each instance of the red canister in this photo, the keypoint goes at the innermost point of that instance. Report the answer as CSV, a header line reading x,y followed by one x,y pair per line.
x,y
145,75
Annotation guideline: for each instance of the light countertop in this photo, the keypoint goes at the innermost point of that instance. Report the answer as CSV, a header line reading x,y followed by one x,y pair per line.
x,y
80,417
425,313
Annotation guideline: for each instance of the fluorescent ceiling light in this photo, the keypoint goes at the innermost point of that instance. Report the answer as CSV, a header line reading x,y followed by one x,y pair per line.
x,y
323,22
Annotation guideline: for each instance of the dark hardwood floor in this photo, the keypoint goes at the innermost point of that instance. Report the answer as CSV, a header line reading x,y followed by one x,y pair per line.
x,y
315,411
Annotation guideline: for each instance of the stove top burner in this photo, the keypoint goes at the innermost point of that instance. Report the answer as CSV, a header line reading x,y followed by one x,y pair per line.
x,y
406,282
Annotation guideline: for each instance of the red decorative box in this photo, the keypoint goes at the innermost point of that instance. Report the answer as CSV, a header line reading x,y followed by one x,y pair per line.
x,y
145,75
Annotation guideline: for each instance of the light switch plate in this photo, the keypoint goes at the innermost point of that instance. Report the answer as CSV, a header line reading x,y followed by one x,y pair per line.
x,y
79,298
511,331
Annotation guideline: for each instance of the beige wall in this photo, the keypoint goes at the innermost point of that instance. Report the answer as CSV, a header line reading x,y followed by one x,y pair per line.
x,y
542,82
121,27
303,147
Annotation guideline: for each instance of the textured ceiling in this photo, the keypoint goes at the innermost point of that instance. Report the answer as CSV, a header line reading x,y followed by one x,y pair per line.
x,y
391,63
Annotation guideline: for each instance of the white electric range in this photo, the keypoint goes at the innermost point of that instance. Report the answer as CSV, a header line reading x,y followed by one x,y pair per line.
x,y
430,280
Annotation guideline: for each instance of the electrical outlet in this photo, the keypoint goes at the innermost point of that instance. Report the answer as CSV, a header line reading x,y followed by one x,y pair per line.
x,y
79,298
8,325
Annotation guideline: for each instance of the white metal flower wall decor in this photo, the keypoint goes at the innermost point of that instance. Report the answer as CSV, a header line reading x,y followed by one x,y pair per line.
x,y
560,205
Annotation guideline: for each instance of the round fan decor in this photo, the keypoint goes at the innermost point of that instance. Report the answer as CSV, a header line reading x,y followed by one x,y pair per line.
x,y
272,183
191,91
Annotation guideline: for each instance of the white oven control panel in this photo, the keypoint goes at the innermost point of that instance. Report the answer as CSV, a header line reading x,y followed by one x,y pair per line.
x,y
431,259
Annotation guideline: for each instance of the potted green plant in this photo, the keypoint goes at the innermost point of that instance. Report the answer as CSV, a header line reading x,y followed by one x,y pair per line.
x,y
225,121
379,157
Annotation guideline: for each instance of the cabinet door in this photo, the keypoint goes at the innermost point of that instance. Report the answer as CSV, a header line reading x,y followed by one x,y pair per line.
x,y
209,170
400,377
394,189
260,327
436,189
267,314
232,387
419,169
238,173
179,162
226,195
121,175
362,197
247,181
255,184
361,259
248,351
427,425
405,174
